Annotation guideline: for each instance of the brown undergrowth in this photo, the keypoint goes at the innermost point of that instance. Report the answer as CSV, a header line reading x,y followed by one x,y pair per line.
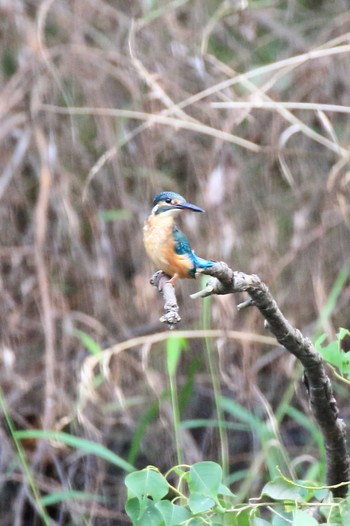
x,y
102,105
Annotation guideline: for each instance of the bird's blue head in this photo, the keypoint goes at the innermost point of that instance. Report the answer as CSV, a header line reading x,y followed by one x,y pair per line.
x,y
171,202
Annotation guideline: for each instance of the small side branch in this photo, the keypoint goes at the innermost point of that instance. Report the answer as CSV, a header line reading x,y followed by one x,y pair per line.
x,y
223,280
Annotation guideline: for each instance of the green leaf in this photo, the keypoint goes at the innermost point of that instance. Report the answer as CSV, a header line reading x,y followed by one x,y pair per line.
x,y
243,518
224,490
259,522
320,494
147,482
205,479
320,340
172,513
88,342
344,333
301,518
133,509
281,489
333,352
151,516
334,517
197,521
282,519
345,511
307,493
200,503
81,444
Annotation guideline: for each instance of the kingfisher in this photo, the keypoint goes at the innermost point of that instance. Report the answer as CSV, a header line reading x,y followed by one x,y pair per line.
x,y
165,244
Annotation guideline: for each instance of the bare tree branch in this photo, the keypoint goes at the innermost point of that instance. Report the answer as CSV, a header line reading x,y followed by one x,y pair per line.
x,y
224,280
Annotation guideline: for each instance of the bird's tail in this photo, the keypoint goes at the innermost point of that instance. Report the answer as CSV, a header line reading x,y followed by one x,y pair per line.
x,y
202,263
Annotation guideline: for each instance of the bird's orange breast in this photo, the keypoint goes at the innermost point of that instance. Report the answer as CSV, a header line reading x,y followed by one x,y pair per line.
x,y
160,247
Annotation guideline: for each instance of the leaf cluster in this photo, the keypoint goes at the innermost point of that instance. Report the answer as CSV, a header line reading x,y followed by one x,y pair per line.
x,y
337,353
201,498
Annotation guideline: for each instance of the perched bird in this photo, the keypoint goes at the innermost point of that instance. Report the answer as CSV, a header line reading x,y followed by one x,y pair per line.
x,y
166,245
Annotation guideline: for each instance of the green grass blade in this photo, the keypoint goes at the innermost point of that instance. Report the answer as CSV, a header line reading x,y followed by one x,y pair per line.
x,y
88,342
68,495
215,380
23,461
194,423
144,422
174,347
81,444
241,413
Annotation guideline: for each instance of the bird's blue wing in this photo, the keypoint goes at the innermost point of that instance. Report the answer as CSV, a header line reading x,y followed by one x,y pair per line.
x,y
183,247
182,244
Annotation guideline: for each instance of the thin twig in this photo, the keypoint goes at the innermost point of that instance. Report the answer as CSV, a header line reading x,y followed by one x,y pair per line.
x,y
156,118
272,105
47,316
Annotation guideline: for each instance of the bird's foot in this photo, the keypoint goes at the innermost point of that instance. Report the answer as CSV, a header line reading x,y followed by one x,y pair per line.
x,y
172,280
160,279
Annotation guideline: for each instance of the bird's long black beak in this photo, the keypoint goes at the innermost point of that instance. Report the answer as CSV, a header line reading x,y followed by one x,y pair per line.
x,y
189,206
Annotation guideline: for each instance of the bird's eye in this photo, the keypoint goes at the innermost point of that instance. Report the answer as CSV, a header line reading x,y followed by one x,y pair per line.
x,y
168,200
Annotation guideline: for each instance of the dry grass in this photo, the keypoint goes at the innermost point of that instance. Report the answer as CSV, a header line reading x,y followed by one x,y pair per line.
x,y
241,106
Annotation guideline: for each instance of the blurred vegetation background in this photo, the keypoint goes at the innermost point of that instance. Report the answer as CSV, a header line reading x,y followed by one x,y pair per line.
x,y
103,104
